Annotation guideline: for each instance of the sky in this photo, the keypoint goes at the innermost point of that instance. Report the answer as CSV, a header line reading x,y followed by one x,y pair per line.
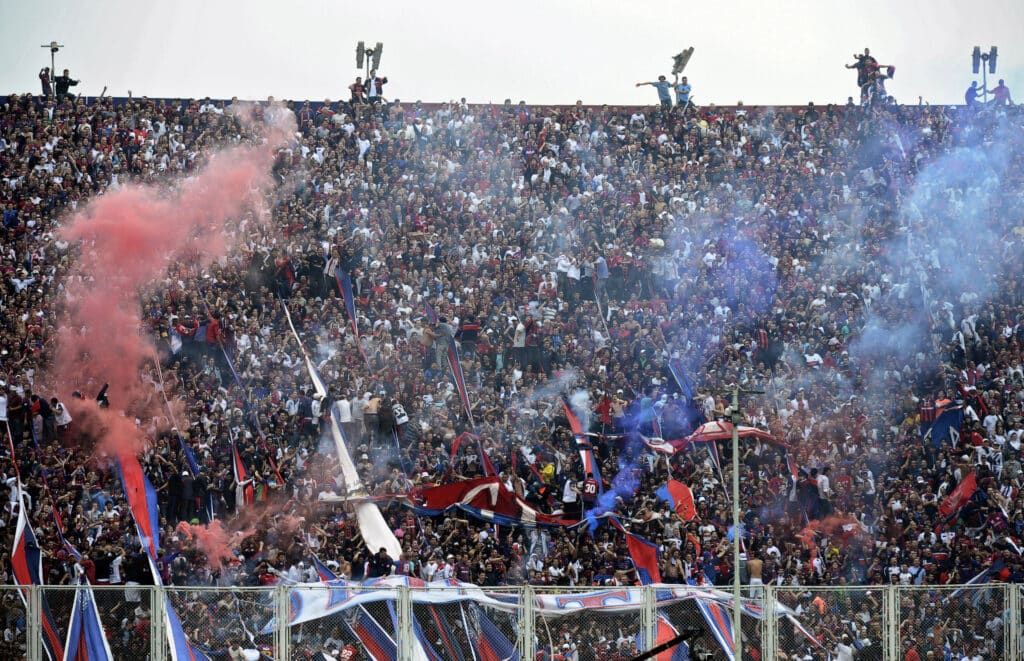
x,y
763,52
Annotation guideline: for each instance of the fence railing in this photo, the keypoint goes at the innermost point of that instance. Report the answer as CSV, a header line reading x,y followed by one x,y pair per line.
x,y
413,623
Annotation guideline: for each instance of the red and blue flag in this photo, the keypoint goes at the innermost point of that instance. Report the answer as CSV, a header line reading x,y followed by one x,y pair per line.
x,y
377,643
456,368
492,645
643,553
718,619
586,450
680,498
27,564
86,639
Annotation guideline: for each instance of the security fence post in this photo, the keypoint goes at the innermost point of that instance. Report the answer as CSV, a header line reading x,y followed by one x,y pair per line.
x,y
282,632
33,623
891,622
157,622
406,636
770,624
527,640
649,617
1011,627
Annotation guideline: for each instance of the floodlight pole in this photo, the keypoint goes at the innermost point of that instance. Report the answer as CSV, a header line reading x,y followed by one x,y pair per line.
x,y
54,47
736,417
737,607
984,78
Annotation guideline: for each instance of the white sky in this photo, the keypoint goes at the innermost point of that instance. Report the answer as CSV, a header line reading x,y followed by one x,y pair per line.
x,y
554,51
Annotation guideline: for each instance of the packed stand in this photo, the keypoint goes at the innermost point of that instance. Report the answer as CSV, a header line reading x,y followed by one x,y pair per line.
x,y
567,249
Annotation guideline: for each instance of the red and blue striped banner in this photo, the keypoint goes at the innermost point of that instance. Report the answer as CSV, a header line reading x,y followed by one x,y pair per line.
x,y
379,646
456,368
454,651
586,450
142,503
492,645
643,553
348,296
718,620
323,571
245,494
665,632
86,639
27,565
675,366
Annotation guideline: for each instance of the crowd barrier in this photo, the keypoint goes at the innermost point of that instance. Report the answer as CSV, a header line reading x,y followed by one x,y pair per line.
x,y
886,621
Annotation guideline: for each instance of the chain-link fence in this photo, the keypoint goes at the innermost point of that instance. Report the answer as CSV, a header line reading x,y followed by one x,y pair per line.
x,y
824,618
594,624
691,609
369,620
969,622
15,624
417,623
215,618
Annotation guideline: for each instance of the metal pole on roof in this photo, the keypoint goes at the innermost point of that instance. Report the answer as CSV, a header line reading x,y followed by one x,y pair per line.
x,y
54,47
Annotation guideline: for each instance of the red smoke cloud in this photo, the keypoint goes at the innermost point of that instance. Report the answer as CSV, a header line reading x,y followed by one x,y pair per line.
x,y
216,543
128,239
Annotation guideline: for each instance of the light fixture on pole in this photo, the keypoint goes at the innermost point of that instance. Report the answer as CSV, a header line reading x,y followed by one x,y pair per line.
x,y
368,56
736,417
54,47
978,61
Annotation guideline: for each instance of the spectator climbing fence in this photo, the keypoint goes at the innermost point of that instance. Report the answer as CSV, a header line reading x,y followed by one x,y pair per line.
x,y
415,623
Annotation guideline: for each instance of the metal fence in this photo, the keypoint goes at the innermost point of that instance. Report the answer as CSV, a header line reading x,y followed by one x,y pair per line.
x,y
414,624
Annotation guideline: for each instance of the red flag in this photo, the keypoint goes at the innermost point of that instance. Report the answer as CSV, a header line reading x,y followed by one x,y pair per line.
x,y
681,498
696,543
643,553
959,496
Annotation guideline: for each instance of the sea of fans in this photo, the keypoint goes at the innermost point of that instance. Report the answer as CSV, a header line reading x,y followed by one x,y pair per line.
x,y
571,251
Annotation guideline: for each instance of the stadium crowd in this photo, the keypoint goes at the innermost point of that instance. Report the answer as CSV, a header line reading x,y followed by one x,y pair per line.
x,y
807,252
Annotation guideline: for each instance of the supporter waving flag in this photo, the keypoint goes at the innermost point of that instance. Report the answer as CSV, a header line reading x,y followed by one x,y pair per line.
x,y
586,450
643,553
679,496
946,426
245,495
456,368
959,496
142,503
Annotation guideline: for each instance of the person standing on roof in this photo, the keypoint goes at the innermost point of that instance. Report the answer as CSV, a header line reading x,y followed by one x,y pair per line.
x,y
664,87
